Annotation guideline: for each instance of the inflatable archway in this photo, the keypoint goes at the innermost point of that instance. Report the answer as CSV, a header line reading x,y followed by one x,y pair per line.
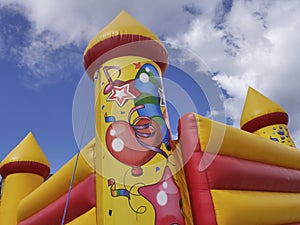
x,y
133,173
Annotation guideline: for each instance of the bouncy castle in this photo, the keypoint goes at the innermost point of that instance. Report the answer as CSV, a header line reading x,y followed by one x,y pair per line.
x,y
133,173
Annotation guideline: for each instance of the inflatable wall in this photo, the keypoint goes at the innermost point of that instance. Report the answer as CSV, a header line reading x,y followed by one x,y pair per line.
x,y
133,173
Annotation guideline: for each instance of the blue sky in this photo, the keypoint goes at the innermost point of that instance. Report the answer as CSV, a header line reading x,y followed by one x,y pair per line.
x,y
47,112
43,106
222,47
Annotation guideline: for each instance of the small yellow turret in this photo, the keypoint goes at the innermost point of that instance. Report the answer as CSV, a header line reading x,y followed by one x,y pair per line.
x,y
23,170
265,118
124,36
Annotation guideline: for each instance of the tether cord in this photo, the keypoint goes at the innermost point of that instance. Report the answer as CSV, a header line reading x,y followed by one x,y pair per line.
x,y
75,167
70,189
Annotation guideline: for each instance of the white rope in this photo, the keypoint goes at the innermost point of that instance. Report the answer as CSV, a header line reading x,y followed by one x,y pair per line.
x,y
75,167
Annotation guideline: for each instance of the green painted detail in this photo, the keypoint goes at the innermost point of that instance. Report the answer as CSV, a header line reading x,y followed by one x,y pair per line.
x,y
146,98
159,120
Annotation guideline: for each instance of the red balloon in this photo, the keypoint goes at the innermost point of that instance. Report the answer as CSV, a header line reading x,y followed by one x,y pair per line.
x,y
122,141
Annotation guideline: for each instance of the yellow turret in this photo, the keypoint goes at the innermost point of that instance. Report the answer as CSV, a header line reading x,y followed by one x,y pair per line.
x,y
124,36
265,118
23,170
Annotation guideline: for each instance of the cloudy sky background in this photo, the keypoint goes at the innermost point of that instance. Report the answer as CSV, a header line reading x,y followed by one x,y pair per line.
x,y
244,43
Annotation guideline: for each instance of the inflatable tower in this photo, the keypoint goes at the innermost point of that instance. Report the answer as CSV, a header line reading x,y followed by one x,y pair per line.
x,y
265,118
126,61
23,170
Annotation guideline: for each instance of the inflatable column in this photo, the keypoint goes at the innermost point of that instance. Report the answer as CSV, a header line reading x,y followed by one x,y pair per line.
x,y
23,170
134,181
265,118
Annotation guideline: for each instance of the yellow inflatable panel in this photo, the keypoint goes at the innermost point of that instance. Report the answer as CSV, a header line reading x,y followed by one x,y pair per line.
x,y
276,132
222,139
249,208
88,218
27,150
58,184
16,187
113,210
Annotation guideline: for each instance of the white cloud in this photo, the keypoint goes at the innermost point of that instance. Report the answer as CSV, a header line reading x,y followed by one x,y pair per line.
x,y
57,25
47,64
75,21
258,46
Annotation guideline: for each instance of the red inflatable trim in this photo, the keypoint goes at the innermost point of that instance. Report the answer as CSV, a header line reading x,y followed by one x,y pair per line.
x,y
266,120
83,198
188,135
199,190
24,167
200,196
124,45
238,174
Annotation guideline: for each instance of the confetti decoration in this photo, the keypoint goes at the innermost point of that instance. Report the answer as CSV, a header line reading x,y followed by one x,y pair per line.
x,y
117,192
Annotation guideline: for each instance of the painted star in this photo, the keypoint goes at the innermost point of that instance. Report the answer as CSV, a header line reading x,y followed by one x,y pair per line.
x,y
165,198
121,94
